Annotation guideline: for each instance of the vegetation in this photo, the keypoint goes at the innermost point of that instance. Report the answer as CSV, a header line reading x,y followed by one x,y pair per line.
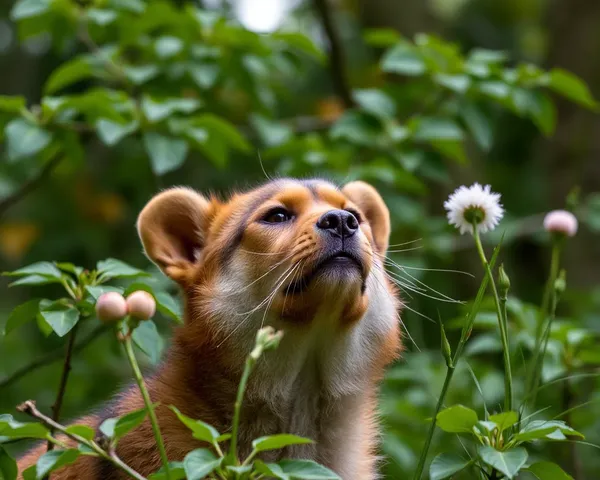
x,y
141,95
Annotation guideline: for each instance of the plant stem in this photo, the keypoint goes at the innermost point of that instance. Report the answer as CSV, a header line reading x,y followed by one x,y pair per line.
x,y
56,407
502,323
29,408
250,362
148,402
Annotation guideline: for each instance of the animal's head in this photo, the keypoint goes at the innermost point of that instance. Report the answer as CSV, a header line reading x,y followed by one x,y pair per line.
x,y
299,255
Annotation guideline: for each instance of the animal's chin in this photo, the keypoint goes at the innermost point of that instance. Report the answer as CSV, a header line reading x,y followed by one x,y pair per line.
x,y
338,270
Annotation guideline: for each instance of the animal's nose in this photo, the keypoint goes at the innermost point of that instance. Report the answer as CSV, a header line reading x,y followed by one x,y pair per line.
x,y
339,223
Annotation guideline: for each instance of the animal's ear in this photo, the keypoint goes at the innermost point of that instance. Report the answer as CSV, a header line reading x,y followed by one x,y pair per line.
x,y
172,227
373,207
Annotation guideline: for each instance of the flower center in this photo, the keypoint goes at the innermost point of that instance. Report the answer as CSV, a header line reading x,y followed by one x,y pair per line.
x,y
474,214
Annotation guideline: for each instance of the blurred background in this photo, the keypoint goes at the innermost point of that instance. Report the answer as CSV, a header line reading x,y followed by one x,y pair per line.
x,y
417,97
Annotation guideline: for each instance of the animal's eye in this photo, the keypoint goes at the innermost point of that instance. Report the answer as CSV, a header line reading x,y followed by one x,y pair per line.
x,y
277,215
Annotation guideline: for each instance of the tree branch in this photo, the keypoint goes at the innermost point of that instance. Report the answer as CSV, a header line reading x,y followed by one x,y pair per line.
x,y
337,62
50,358
63,382
29,185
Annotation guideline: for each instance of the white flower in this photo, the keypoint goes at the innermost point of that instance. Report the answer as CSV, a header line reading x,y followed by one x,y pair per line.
x,y
475,204
561,221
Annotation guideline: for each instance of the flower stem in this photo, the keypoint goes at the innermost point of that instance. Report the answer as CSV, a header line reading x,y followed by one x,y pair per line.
x,y
29,408
502,323
250,362
148,402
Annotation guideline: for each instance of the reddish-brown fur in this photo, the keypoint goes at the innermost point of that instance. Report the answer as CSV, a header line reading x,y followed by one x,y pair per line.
x,y
185,235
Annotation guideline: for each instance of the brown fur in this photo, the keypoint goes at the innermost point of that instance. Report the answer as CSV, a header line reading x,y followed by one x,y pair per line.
x,y
199,242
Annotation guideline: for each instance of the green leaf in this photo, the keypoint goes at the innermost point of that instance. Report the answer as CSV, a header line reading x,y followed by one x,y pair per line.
x,y
12,429
224,129
166,153
55,459
12,104
8,466
539,107
44,269
168,46
381,37
272,133
22,314
199,463
200,430
156,110
96,291
176,472
508,462
452,149
457,419
538,429
68,73
148,340
34,280
167,305
100,16
116,428
445,465
274,442
307,470
141,74
404,60
456,83
375,102
431,128
205,75
270,469
300,42
478,124
495,89
134,6
112,268
82,430
572,87
60,316
112,133
548,471
29,8
504,420
24,139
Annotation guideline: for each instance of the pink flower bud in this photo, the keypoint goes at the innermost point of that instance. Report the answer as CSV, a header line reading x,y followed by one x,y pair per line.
x,y
141,305
561,221
111,307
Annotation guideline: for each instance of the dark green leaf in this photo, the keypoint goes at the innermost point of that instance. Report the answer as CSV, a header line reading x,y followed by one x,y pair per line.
x,y
12,429
482,55
100,16
112,268
538,429
452,149
504,420
478,124
445,465
176,472
381,37
53,460
227,131
274,442
272,133
548,471
156,110
508,462
134,6
140,74
8,466
96,291
205,75
307,470
34,280
168,46
68,73
497,90
199,463
200,430
24,139
456,83
429,128
300,42
404,60
457,419
11,104
270,469
60,316
44,269
167,305
375,102
116,428
572,87
21,315
166,153
148,340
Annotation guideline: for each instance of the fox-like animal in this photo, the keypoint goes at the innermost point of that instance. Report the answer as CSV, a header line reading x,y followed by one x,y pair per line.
x,y
303,256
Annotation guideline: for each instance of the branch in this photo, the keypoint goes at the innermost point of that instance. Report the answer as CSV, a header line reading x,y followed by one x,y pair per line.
x,y
337,63
50,358
29,185
63,382
30,409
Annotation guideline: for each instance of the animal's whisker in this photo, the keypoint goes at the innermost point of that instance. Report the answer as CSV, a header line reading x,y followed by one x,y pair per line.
x,y
404,243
